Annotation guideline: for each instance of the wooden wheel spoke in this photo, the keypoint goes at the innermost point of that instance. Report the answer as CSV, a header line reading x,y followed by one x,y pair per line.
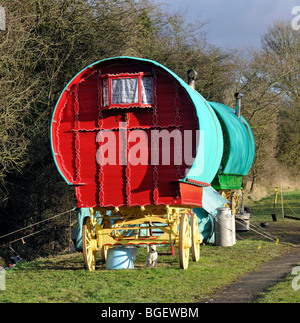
x,y
88,235
184,241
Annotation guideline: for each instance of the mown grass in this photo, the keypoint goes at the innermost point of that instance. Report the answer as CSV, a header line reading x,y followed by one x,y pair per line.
x,y
262,210
63,278
286,230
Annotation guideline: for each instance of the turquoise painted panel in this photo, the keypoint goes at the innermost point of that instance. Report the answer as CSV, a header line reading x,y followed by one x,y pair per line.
x,y
82,214
241,145
206,225
211,201
210,149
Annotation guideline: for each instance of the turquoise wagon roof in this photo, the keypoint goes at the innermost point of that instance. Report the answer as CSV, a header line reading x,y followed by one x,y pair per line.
x,y
239,141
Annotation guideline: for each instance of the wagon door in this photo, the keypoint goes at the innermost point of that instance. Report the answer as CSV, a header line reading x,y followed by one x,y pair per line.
x,y
123,162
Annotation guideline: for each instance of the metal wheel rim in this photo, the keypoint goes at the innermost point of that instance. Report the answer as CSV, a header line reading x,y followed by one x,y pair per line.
x,y
184,236
88,234
195,238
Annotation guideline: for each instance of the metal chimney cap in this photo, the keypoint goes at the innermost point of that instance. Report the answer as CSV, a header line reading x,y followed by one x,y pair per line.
x,y
238,95
190,76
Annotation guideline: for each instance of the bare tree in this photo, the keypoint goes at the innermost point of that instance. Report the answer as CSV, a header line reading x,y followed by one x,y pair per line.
x,y
282,45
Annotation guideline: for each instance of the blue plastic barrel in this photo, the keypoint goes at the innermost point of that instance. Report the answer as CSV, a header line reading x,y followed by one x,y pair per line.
x,y
119,258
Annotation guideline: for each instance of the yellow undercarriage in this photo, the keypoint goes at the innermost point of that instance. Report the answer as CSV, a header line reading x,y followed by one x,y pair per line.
x,y
173,222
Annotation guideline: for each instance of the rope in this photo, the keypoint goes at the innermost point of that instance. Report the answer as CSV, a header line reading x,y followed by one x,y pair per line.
x,y
288,206
266,235
32,225
29,235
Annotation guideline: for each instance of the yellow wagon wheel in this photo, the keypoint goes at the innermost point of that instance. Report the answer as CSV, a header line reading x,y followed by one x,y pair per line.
x,y
184,241
226,196
196,240
89,244
235,204
104,249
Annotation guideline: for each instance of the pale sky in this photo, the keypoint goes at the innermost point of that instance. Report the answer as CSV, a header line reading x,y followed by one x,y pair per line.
x,y
235,23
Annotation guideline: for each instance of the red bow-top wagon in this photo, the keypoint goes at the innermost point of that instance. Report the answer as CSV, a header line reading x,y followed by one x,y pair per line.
x,y
141,147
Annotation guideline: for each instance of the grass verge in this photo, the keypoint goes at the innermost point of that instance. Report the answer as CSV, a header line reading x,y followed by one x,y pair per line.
x,y
63,278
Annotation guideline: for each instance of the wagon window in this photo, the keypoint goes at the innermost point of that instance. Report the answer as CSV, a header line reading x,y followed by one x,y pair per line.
x,y
127,90
147,90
